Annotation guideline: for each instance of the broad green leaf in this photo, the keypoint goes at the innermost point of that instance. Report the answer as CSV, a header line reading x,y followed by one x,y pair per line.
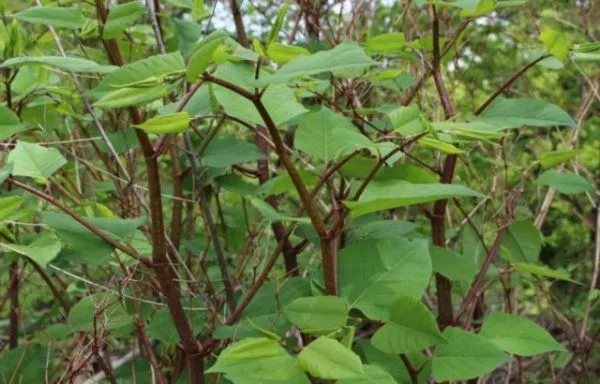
x,y
42,250
162,327
465,356
70,64
389,363
202,54
542,271
64,17
406,120
453,265
9,123
523,240
568,183
282,54
198,11
221,153
555,42
5,172
379,196
372,374
518,335
271,214
98,311
34,160
343,57
283,183
515,113
385,43
328,136
380,229
127,97
171,123
361,167
550,159
145,73
326,358
27,363
121,17
256,358
410,327
9,205
440,145
317,313
279,100
481,7
373,273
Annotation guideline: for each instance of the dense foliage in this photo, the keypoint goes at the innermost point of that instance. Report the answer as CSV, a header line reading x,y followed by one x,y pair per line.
x,y
311,191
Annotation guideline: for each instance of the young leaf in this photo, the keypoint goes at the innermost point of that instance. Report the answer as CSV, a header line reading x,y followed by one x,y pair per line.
x,y
515,113
411,327
379,196
127,97
282,54
555,42
542,271
523,240
311,314
326,358
64,17
328,136
550,159
34,160
198,11
171,123
373,273
121,17
343,57
277,24
202,54
465,356
42,250
9,205
518,335
385,43
271,213
256,358
9,123
568,183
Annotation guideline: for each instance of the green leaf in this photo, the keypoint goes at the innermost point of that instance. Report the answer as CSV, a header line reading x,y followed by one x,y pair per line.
x,y
372,374
328,136
568,183
440,145
515,113
277,24
198,11
42,250
360,167
221,153
279,100
406,120
518,335
326,358
9,205
146,73
34,160
98,311
170,123
540,270
523,240
162,327
70,64
121,17
27,363
255,359
380,229
318,313
5,172
373,273
465,356
271,213
550,159
411,327
453,265
379,196
343,57
386,42
202,54
9,123
64,17
555,42
282,54
127,97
